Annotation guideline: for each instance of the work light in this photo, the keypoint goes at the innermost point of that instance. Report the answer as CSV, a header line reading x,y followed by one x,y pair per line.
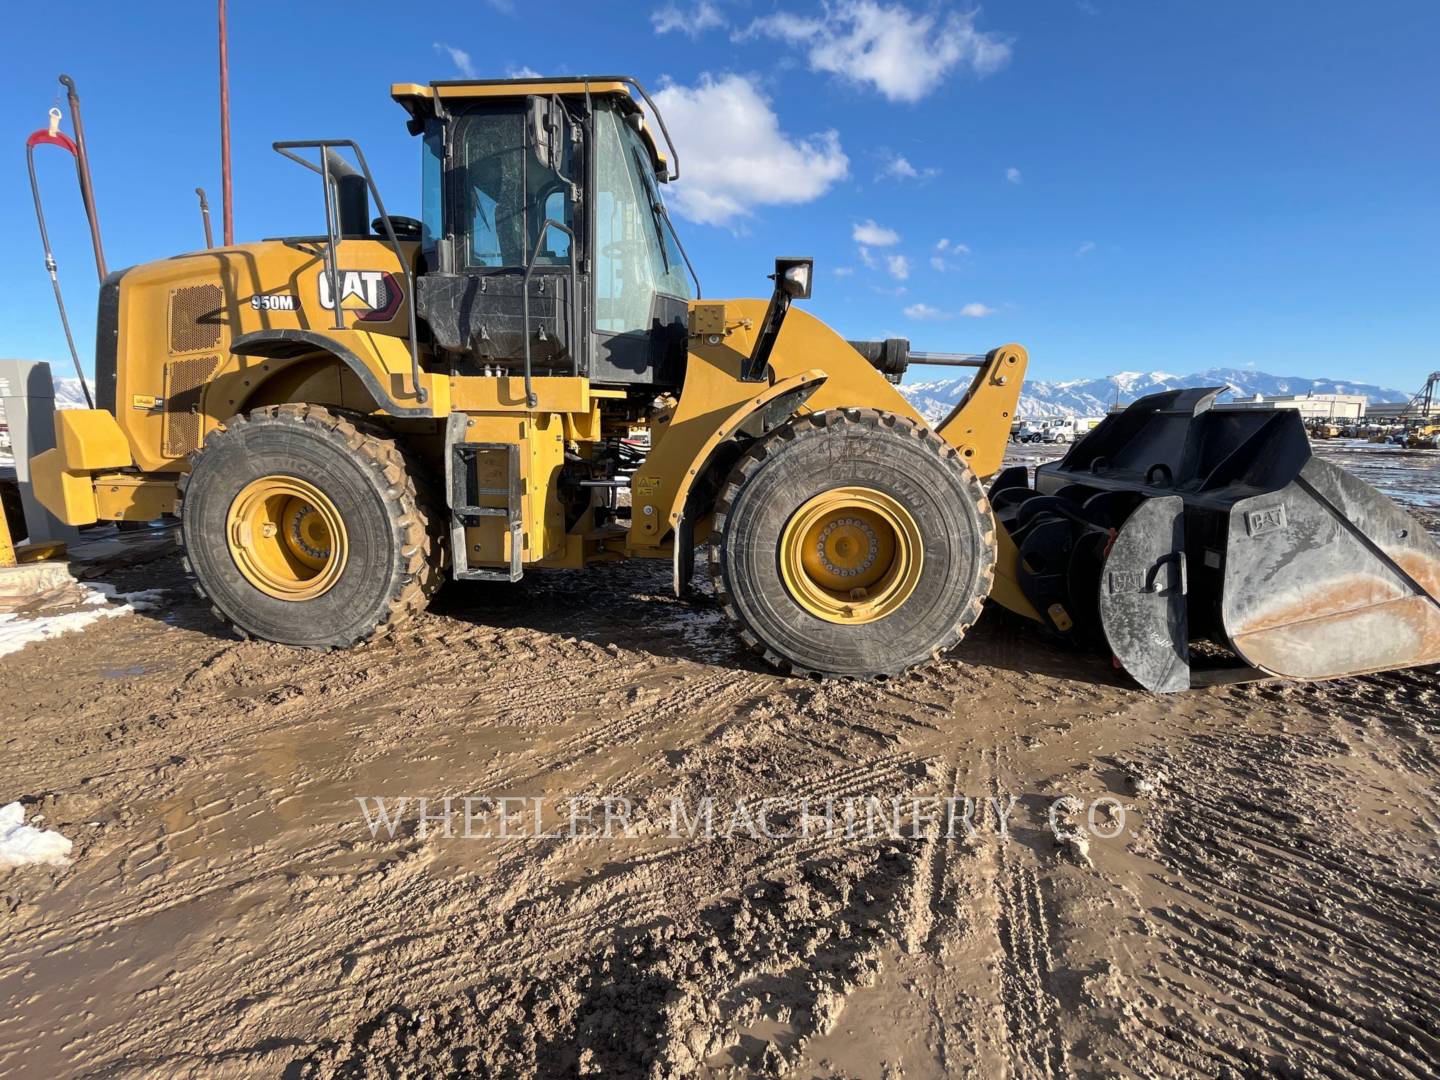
x,y
793,277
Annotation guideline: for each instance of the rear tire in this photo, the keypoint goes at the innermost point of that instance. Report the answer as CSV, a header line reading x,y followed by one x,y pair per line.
x,y
851,472
308,528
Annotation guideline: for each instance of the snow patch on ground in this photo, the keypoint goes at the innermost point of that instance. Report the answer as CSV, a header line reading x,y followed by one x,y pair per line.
x,y
22,844
100,601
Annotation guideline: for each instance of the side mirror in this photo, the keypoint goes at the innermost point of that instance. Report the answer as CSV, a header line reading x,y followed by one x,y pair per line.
x,y
794,277
547,131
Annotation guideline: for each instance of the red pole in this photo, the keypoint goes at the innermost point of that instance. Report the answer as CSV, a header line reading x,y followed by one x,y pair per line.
x,y
227,207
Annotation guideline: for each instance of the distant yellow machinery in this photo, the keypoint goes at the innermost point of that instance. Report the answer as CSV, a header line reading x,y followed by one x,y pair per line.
x,y
523,377
1424,437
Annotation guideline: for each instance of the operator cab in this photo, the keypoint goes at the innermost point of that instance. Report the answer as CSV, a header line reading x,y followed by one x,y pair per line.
x,y
542,226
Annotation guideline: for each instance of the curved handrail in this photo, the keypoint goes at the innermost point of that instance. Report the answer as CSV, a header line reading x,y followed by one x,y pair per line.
x,y
284,149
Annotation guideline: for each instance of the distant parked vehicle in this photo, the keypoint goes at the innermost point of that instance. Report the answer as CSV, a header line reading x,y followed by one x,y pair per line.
x,y
1425,438
1068,430
1056,430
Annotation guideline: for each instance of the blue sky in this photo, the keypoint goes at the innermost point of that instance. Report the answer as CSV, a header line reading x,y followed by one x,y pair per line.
x,y
1157,184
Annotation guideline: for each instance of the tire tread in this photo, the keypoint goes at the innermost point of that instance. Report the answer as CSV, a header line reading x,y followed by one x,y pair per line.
x,y
829,421
416,516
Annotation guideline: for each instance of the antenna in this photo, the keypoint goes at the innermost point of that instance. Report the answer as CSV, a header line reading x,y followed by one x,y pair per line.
x,y
227,211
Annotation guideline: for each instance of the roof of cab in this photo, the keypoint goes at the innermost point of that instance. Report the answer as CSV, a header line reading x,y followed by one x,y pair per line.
x,y
419,99
416,95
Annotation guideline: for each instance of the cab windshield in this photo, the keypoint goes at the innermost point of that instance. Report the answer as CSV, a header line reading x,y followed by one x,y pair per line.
x,y
637,255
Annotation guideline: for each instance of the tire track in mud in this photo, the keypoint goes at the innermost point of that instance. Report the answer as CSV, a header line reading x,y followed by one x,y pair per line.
x,y
351,680
587,912
667,999
1278,942
1321,949
1032,1012
930,872
711,694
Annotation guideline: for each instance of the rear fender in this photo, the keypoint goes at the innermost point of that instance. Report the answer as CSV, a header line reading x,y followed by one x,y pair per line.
x,y
380,361
322,379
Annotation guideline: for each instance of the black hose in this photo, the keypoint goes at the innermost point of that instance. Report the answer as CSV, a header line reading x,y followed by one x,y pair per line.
x,y
51,268
82,169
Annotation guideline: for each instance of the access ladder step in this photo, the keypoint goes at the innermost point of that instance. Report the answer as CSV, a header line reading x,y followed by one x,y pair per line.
x,y
465,495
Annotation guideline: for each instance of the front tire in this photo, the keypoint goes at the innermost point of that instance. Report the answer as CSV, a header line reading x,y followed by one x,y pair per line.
x,y
852,543
306,527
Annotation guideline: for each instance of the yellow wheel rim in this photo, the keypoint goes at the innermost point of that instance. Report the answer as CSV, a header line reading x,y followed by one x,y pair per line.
x,y
851,555
286,537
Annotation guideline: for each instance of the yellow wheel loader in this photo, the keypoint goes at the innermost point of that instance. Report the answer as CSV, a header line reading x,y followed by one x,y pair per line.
x,y
526,377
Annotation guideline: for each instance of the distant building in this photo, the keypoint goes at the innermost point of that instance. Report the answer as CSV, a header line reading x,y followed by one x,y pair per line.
x,y
1310,406
1397,411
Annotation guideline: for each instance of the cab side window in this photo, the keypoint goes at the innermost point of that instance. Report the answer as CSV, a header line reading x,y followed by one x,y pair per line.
x,y
507,194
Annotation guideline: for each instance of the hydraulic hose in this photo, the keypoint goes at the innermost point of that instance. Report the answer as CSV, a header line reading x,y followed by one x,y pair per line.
x,y
53,136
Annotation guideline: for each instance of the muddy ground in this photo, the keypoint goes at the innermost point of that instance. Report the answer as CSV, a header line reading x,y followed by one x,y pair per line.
x,y
1267,903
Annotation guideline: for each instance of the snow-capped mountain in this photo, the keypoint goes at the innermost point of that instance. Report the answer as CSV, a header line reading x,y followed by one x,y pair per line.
x,y
1093,397
68,394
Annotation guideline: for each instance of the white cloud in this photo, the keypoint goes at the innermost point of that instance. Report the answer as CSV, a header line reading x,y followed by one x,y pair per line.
x,y
902,53
925,313
521,72
873,235
898,265
692,21
900,168
866,257
459,57
1085,249
1013,175
734,155
945,248
843,271
976,311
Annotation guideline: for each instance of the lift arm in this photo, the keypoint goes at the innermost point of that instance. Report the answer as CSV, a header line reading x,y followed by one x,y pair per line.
x,y
979,426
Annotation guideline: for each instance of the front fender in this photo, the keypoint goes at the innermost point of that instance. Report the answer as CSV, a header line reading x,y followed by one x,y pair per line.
x,y
684,454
